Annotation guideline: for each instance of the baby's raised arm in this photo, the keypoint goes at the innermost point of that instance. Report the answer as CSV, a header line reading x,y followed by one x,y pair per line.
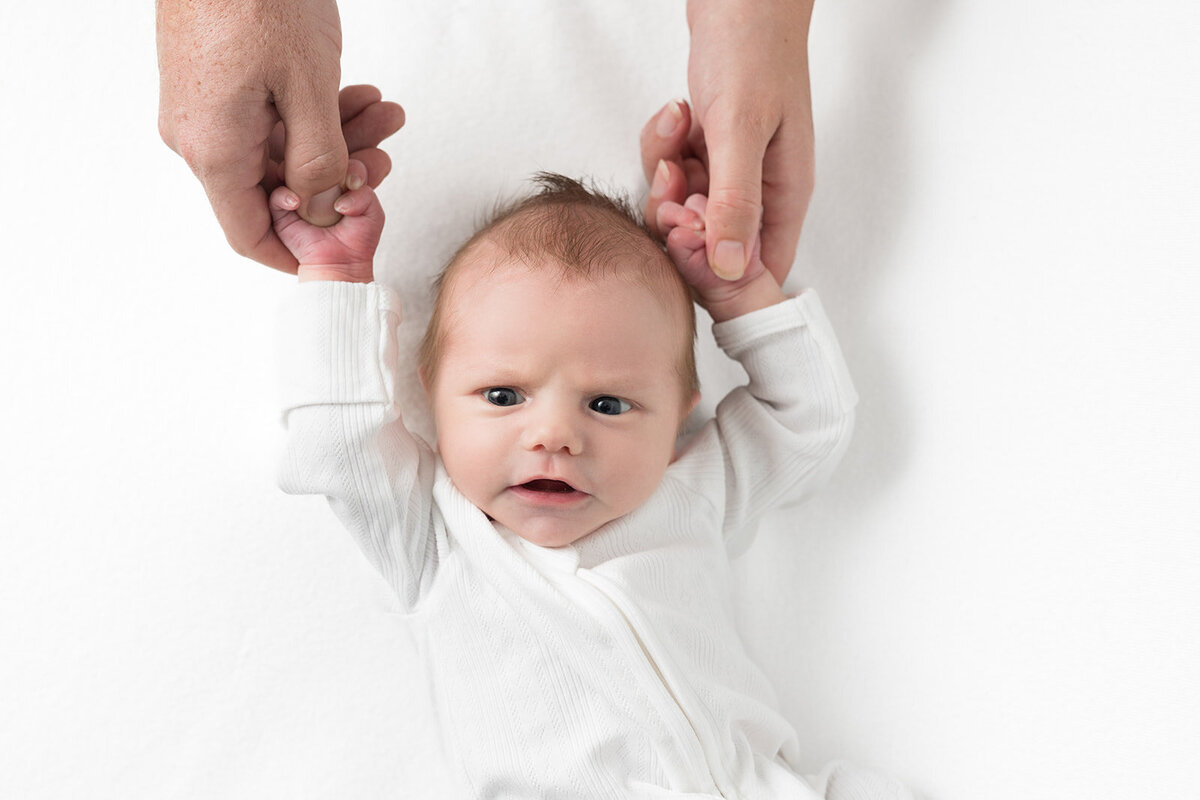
x,y
339,367
781,434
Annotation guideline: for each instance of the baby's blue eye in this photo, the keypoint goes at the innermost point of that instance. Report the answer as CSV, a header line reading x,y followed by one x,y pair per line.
x,y
609,405
503,396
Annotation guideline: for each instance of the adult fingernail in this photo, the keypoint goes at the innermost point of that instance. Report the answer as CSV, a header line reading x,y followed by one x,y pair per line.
x,y
669,119
729,260
661,177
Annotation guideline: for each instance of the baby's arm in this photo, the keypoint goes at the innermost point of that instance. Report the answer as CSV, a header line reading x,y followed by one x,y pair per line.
x,y
345,437
781,435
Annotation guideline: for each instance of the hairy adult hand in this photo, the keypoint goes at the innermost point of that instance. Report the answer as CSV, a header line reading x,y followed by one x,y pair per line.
x,y
748,142
249,97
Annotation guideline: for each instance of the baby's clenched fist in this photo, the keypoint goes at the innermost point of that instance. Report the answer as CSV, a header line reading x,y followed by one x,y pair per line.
x,y
344,251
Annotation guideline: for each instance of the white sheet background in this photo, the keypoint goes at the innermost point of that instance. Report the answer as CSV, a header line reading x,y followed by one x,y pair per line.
x,y
996,598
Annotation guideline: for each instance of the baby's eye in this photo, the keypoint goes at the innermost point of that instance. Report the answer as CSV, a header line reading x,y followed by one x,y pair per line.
x,y
609,405
503,396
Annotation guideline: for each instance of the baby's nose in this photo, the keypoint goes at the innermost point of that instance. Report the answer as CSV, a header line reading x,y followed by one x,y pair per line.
x,y
554,431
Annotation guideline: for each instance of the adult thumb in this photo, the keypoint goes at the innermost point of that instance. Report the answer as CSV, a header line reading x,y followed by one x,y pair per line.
x,y
315,156
734,213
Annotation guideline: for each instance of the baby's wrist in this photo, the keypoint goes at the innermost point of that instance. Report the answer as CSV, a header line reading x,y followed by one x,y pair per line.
x,y
347,273
724,303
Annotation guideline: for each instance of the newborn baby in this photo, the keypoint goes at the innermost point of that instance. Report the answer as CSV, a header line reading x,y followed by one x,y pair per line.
x,y
562,561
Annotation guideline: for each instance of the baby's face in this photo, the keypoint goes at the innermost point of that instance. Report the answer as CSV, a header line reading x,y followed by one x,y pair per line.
x,y
557,402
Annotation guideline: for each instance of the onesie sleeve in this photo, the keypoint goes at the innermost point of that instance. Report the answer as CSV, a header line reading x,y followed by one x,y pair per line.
x,y
345,437
782,433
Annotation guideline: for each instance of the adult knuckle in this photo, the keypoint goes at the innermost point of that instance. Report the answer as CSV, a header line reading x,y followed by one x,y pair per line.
x,y
243,245
166,130
322,159
199,155
733,200
741,114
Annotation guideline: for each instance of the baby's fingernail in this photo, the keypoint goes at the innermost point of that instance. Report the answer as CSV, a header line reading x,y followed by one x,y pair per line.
x,y
353,182
290,199
661,177
729,259
669,119
342,205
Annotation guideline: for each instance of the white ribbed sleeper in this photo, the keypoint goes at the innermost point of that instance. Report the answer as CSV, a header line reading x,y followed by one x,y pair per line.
x,y
610,668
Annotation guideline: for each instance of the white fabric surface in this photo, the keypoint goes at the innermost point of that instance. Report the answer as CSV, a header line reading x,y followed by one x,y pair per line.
x,y
1003,603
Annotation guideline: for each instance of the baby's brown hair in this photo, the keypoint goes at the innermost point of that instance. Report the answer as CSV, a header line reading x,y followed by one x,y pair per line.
x,y
586,233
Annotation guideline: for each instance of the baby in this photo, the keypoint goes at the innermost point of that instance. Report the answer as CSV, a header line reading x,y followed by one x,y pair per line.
x,y
562,562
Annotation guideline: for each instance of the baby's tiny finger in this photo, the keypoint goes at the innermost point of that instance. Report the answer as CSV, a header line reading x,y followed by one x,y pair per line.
x,y
284,199
355,203
685,240
697,203
685,247
672,215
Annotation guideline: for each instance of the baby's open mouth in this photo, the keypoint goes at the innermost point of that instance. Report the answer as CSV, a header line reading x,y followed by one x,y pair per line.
x,y
546,485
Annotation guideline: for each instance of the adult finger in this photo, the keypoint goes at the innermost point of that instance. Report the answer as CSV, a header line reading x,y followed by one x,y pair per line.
x,y
366,121
788,179
353,99
668,185
736,147
275,142
246,220
697,176
371,125
664,136
315,152
377,162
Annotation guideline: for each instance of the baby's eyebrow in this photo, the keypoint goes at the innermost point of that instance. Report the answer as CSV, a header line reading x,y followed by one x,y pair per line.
x,y
620,385
489,374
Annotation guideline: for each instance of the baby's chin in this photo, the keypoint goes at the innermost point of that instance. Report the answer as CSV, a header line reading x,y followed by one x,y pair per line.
x,y
551,540
550,533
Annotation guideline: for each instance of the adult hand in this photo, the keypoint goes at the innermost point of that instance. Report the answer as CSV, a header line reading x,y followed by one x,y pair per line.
x,y
749,143
244,87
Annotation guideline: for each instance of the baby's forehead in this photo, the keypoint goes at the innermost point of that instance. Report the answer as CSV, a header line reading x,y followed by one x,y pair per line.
x,y
501,310
491,259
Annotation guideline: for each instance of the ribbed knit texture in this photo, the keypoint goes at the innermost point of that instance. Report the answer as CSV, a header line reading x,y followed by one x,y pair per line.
x,y
610,668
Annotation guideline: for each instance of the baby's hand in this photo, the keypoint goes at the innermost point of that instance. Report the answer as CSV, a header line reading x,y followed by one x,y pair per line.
x,y
683,225
343,251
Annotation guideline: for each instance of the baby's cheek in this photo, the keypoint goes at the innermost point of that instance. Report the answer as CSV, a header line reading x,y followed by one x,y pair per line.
x,y
648,466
